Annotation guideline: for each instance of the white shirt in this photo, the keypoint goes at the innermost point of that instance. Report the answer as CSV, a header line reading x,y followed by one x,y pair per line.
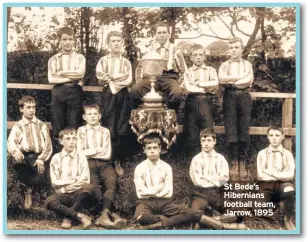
x,y
209,170
153,180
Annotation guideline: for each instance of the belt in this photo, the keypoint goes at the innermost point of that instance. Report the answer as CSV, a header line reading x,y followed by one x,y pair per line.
x,y
200,94
233,88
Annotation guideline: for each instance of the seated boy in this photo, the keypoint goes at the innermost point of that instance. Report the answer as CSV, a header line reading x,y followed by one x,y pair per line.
x,y
154,188
94,141
276,167
30,147
201,84
209,171
114,73
70,177
172,77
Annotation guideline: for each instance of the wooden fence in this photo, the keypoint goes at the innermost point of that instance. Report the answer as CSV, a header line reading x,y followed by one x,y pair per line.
x,y
287,110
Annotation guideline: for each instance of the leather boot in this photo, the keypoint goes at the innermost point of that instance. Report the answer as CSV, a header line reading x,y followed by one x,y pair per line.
x,y
215,224
288,224
104,220
225,219
242,171
84,219
118,168
28,198
157,225
234,170
66,223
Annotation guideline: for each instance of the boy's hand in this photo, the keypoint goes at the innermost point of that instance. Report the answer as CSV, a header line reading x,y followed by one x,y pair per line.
x,y
59,73
18,156
40,166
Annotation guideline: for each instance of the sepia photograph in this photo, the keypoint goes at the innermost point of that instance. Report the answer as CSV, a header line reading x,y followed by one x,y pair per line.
x,y
148,118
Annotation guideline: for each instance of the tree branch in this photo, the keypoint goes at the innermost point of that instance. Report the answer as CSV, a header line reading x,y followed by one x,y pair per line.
x,y
230,28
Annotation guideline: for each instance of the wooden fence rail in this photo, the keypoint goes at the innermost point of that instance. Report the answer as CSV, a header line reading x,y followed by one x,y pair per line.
x,y
287,110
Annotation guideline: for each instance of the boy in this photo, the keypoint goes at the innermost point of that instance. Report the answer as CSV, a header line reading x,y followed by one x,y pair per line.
x,y
154,188
114,73
275,168
70,177
201,84
94,141
66,70
30,147
236,75
172,76
209,171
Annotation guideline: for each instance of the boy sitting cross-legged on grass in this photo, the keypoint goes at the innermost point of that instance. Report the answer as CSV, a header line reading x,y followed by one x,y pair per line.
x,y
70,178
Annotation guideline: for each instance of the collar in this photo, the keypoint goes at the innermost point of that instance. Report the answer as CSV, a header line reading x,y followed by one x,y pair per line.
x,y
89,127
65,153
27,121
150,164
110,56
212,153
166,45
61,53
203,66
272,149
231,61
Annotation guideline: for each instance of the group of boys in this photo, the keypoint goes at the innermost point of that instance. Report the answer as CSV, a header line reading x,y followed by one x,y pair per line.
x,y
84,168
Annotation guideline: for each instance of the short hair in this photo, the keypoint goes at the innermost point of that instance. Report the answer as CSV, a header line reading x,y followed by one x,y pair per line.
x,y
65,30
113,33
161,24
92,105
236,39
25,99
207,133
275,127
151,138
67,131
197,47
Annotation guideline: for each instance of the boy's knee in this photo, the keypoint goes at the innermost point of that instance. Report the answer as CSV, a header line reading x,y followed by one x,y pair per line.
x,y
288,189
51,202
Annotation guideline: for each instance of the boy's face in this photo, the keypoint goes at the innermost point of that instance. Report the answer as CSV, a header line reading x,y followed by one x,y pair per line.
x,y
207,143
235,50
28,110
67,42
198,57
152,151
69,142
275,137
115,43
91,116
162,35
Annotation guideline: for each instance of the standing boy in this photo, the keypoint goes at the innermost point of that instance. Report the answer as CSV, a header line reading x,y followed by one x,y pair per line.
x,y
114,73
276,168
70,177
236,75
209,171
201,84
65,71
94,141
30,147
172,77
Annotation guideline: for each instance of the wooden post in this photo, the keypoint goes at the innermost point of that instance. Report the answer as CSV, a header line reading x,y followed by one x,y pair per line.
x,y
287,113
